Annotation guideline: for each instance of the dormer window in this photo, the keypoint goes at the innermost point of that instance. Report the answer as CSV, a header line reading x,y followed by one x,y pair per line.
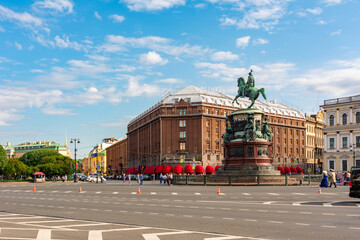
x,y
176,100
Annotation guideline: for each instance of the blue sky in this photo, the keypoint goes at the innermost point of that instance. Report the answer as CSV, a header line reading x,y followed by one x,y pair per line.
x,y
89,67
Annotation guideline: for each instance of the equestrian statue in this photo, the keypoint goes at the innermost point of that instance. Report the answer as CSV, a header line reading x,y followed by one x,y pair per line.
x,y
249,90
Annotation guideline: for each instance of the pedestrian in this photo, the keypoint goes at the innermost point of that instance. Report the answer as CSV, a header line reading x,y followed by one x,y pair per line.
x,y
324,181
161,178
65,178
141,178
347,179
171,177
153,178
164,178
124,179
138,178
129,176
332,178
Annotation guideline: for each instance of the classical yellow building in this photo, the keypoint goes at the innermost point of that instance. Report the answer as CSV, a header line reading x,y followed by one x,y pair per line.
x,y
342,133
315,141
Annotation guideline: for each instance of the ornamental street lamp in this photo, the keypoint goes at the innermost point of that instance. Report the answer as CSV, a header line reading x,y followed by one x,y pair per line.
x,y
354,150
75,140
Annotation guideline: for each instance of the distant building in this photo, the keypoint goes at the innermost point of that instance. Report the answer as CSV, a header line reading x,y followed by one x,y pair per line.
x,y
342,133
116,156
96,160
186,127
315,141
16,151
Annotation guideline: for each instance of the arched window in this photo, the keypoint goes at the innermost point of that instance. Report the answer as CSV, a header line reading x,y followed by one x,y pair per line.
x,y
331,120
358,117
344,118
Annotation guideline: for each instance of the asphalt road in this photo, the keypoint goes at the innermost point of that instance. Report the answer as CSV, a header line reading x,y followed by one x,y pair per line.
x,y
113,211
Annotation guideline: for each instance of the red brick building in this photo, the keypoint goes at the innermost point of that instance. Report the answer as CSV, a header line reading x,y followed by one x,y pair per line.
x,y
117,157
186,127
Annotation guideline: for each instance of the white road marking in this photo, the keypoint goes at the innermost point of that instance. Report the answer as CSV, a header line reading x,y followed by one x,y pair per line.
x,y
301,194
123,211
174,193
228,218
251,220
193,207
197,193
267,203
207,217
275,222
188,216
95,235
115,192
54,191
262,210
67,192
133,192
328,214
242,209
274,194
325,226
302,224
153,193
97,192
138,212
354,228
153,236
306,212
44,234
352,215
246,194
327,204
282,211
296,204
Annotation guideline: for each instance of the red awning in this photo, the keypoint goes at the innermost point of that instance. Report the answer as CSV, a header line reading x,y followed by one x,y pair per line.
x,y
128,171
217,167
199,169
281,169
178,169
287,170
168,169
38,173
299,170
189,169
210,169
293,169
160,169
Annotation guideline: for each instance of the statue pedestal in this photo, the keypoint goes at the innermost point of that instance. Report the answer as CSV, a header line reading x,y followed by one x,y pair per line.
x,y
247,150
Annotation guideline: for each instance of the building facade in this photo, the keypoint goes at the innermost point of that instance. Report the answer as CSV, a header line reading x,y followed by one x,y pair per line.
x,y
342,133
16,151
315,141
186,128
96,160
116,156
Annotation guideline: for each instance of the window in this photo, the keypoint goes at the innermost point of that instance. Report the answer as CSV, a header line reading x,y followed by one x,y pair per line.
x,y
291,151
217,112
217,146
331,120
291,141
278,140
208,146
344,118
208,123
297,132
344,142
344,165
285,150
182,146
208,134
217,134
331,164
297,151
357,141
207,111
357,163
297,142
182,134
182,123
217,124
217,157
332,143
358,117
278,149
208,157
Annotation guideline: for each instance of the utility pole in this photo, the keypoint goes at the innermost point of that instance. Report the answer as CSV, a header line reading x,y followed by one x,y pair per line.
x,y
75,140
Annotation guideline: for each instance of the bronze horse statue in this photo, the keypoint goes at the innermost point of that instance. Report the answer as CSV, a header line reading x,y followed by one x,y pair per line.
x,y
251,92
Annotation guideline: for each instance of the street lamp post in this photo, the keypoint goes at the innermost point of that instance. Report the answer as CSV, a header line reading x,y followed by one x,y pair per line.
x,y
75,140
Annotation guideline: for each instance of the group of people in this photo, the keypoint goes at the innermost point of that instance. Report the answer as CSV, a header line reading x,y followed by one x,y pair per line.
x,y
329,179
167,178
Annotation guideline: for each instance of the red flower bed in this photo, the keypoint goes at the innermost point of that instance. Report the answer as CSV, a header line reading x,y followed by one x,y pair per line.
x,y
199,169
217,167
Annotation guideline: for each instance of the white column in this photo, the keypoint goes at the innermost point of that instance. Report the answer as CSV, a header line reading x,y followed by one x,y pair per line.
x,y
337,142
351,139
351,116
337,117
325,118
325,143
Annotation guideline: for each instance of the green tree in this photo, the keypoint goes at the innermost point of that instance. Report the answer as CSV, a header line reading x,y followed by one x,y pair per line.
x,y
3,158
34,158
15,168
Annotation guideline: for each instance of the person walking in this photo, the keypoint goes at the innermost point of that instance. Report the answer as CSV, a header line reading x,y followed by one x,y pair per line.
x,y
171,177
161,178
141,178
138,178
153,178
124,179
347,177
332,178
65,178
129,176
324,181
164,178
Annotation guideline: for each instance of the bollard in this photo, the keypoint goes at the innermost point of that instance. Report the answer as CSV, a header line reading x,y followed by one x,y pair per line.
x,y
229,180
204,180
186,180
286,179
258,180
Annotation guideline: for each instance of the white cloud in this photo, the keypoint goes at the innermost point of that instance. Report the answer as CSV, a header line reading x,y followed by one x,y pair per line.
x,y
260,41
333,79
256,14
96,14
36,71
200,5
224,56
337,32
51,110
117,18
24,19
321,22
242,41
135,89
152,58
66,43
18,46
63,6
315,11
331,2
152,5
2,29
169,81
220,71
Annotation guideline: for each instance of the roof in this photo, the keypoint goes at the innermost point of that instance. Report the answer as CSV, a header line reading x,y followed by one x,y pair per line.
x,y
194,94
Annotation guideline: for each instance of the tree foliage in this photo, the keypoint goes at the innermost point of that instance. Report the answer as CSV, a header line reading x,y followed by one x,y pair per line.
x,y
15,168
3,158
35,158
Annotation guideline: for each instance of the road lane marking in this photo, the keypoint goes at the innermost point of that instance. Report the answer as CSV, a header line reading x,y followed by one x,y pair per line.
x,y
262,210
97,192
44,234
251,220
301,194
282,211
296,204
267,203
354,228
246,194
275,222
325,226
138,212
274,194
188,216
327,205
153,236
174,193
197,193
228,218
306,212
94,235
153,193
207,217
67,192
352,215
302,224
115,192
328,214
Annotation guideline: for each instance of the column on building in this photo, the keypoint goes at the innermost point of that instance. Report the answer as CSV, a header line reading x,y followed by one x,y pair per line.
x,y
337,141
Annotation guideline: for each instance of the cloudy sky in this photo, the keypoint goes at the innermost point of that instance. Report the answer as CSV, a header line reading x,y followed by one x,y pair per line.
x,y
89,67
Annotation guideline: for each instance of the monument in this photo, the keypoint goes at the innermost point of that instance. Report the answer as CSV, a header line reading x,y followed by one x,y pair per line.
x,y
247,140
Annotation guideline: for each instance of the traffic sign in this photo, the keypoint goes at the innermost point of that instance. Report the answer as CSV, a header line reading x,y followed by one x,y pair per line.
x,y
181,160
